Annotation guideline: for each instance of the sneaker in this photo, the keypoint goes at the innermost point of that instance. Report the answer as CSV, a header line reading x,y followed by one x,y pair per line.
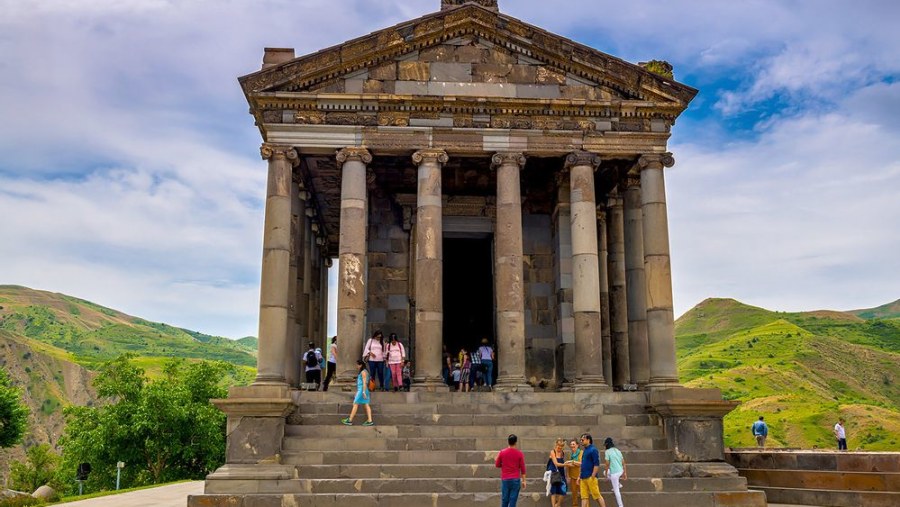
x,y
368,423
346,421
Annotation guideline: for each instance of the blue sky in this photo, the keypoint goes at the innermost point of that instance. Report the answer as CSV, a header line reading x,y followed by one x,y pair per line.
x,y
130,171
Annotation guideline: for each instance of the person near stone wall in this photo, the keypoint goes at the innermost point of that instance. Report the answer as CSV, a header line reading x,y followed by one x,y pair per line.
x,y
487,361
311,361
573,469
332,363
840,434
760,431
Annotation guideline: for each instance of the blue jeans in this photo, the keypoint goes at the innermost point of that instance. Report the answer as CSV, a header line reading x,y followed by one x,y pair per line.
x,y
488,373
376,371
509,492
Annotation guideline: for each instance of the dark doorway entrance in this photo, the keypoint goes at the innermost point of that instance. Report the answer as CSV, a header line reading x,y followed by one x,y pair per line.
x,y
468,293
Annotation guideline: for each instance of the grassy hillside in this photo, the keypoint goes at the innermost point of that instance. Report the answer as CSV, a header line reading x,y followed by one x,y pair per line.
x,y
800,370
94,334
888,311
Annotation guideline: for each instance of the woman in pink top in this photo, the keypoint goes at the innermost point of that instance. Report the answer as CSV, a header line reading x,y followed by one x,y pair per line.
x,y
396,354
374,354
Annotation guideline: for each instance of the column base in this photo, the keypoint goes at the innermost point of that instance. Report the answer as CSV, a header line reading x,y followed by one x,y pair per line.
x,y
663,383
429,385
591,384
270,381
512,385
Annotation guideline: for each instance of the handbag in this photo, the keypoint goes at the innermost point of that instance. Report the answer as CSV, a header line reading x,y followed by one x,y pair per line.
x,y
556,478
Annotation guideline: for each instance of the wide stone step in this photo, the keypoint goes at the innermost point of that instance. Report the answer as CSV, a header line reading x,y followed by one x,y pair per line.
x,y
468,485
831,498
533,496
547,434
372,443
635,400
815,479
484,471
476,408
426,419
461,457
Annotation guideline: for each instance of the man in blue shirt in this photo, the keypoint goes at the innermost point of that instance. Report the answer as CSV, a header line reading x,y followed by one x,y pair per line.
x,y
760,431
590,469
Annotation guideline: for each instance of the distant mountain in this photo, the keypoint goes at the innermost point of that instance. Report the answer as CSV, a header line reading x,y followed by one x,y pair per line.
x,y
94,334
250,342
799,370
888,311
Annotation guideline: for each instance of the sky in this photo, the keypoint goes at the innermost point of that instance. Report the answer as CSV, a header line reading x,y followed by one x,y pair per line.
x,y
130,172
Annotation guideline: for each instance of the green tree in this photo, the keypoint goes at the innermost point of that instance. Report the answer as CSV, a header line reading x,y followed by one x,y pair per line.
x,y
164,429
13,413
38,469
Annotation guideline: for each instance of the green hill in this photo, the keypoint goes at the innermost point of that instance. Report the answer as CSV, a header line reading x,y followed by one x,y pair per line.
x,y
800,370
888,311
94,334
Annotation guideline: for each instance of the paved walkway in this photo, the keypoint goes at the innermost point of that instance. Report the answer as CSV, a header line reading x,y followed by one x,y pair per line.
x,y
165,496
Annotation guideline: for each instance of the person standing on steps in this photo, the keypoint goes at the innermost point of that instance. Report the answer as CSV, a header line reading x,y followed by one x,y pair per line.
x,y
573,470
311,363
332,363
363,396
374,354
840,434
557,464
760,431
396,356
487,362
511,463
590,469
615,468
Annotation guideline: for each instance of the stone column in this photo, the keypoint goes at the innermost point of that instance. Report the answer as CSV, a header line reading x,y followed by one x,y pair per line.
x,y
618,298
309,241
605,330
274,291
429,270
565,321
585,272
351,307
658,271
292,353
509,286
638,347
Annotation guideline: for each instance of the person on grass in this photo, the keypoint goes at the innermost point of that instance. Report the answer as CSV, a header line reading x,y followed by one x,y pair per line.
x,y
362,396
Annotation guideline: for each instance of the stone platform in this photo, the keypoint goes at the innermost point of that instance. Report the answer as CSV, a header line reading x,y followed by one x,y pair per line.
x,y
438,449
822,478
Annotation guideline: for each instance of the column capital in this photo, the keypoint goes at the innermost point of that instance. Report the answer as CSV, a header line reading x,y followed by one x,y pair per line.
x,y
632,179
430,156
582,158
656,161
354,153
500,159
269,151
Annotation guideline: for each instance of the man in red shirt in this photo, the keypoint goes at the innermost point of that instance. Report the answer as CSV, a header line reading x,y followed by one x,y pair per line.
x,y
511,463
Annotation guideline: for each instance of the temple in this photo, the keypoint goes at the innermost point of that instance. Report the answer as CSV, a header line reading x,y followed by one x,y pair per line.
x,y
474,176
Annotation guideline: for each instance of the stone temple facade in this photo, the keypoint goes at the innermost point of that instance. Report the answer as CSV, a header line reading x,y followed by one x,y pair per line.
x,y
475,177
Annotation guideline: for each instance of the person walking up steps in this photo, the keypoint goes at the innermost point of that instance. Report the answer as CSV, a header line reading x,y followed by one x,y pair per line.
x,y
590,468
332,363
615,468
363,396
511,463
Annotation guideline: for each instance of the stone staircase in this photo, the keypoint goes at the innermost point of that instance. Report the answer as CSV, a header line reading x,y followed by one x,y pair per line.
x,y
822,478
438,450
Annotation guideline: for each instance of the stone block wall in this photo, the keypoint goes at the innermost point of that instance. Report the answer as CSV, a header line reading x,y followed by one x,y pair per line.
x,y
540,299
389,273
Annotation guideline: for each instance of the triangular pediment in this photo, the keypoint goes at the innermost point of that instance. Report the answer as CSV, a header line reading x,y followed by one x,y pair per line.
x,y
470,51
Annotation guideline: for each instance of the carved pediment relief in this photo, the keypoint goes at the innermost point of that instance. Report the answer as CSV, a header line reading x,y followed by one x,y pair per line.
x,y
469,50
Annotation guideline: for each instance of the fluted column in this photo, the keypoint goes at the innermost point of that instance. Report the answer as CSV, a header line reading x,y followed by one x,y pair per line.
x,y
638,347
292,353
618,299
509,286
565,321
351,307
585,271
274,291
429,270
605,330
658,270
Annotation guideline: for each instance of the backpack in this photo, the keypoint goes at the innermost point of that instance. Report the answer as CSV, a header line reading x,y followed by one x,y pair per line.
x,y
311,361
